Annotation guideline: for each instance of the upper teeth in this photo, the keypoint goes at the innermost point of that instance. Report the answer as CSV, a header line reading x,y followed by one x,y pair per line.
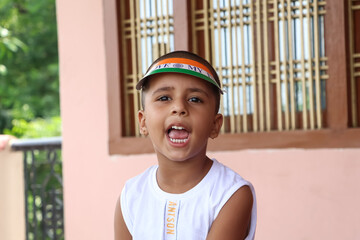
x,y
177,128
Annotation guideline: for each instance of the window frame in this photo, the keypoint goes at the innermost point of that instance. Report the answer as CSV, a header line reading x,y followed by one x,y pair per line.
x,y
338,134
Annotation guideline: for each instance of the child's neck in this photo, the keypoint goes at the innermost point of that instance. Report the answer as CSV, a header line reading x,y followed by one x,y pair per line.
x,y
180,177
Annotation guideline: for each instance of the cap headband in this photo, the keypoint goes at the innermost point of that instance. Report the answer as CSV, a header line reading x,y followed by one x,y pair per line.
x,y
181,65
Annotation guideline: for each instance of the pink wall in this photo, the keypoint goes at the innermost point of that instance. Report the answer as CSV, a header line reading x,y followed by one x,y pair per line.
x,y
302,194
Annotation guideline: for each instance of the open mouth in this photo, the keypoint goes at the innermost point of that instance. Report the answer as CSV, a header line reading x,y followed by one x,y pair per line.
x,y
178,134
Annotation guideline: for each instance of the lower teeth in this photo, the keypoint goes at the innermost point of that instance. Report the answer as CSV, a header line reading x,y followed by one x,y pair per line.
x,y
178,140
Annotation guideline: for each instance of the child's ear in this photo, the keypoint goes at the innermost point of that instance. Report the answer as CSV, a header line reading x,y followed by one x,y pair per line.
x,y
218,121
142,124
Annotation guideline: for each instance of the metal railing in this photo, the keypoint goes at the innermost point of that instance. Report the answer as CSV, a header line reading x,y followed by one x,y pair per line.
x,y
43,187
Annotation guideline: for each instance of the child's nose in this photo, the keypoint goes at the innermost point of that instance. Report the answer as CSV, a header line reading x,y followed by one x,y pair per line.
x,y
179,108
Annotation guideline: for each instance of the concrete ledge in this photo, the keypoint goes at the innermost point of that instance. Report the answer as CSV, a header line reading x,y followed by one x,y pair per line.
x,y
12,209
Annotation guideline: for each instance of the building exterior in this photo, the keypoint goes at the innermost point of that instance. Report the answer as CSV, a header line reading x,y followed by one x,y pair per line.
x,y
301,153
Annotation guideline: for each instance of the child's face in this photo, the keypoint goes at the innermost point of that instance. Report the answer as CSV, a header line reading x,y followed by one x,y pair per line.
x,y
179,116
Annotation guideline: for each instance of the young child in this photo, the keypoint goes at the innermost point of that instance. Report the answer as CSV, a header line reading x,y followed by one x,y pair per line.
x,y
188,196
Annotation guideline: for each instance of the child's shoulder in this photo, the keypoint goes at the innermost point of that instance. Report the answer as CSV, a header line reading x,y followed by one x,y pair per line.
x,y
139,180
227,181
142,176
225,173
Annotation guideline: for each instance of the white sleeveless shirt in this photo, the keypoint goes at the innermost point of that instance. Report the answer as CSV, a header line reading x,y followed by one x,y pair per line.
x,y
153,214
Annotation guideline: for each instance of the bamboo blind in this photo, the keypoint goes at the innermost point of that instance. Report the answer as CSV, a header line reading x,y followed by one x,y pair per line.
x,y
147,33
354,18
270,56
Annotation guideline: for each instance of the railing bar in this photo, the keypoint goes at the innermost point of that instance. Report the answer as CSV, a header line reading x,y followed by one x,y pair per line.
x,y
278,74
138,65
127,29
356,7
194,27
54,214
27,228
353,75
32,186
221,18
297,70
206,29
162,29
53,162
303,77
296,16
133,58
231,77
238,117
317,73
43,212
156,26
322,59
311,91
291,68
40,143
323,77
167,19
285,44
212,36
255,111
266,63
260,93
42,194
219,55
125,62
243,70
145,34
322,3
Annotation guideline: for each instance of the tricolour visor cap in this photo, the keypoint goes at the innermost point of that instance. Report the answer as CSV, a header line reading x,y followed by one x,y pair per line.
x,y
182,62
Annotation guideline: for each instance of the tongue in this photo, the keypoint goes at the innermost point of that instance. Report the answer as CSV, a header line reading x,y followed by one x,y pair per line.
x,y
178,134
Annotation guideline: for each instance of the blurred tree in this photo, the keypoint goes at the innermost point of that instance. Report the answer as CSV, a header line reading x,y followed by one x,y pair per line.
x,y
29,86
29,83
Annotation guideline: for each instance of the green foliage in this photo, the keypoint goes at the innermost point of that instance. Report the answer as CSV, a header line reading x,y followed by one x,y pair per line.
x,y
29,84
35,129
29,98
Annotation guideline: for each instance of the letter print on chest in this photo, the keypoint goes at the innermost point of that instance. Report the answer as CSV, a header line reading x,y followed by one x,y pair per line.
x,y
171,219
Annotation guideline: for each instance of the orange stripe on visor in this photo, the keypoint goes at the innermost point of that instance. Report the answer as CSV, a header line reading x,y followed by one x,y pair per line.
x,y
185,61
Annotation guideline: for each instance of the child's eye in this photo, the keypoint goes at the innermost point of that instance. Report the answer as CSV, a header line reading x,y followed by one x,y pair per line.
x,y
195,99
163,98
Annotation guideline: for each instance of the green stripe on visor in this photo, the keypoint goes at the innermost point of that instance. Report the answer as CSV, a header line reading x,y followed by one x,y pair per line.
x,y
185,71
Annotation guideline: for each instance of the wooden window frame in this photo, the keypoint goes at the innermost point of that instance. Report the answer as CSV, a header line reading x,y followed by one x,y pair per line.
x,y
338,134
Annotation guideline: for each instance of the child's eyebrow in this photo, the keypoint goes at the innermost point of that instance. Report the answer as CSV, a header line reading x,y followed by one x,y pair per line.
x,y
162,89
190,90
199,90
